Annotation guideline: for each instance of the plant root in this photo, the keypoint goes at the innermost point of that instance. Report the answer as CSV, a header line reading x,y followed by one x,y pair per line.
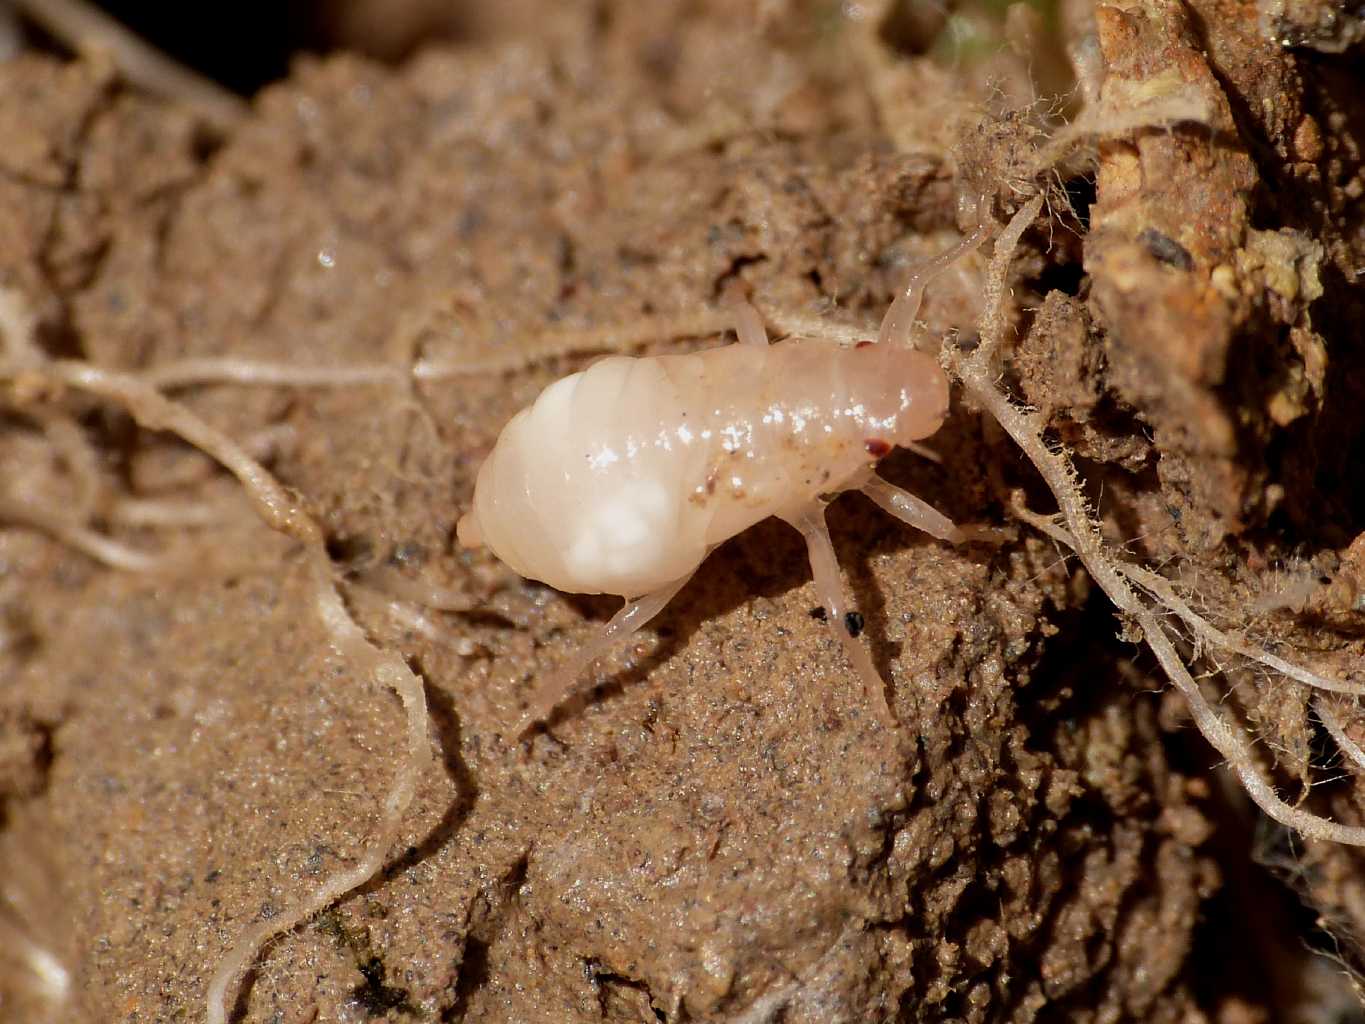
x,y
95,35
33,376
1164,592
75,450
536,347
1336,728
978,377
166,512
390,671
91,543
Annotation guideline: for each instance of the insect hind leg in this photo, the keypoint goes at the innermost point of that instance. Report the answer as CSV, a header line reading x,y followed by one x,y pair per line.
x,y
561,684
911,510
809,519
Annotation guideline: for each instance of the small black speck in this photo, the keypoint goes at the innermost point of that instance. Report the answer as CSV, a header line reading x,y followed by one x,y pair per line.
x,y
818,613
375,997
1166,249
853,622
470,221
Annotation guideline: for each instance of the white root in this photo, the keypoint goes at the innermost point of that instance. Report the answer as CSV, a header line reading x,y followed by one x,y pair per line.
x,y
539,346
1165,593
802,325
994,321
1122,117
232,370
1161,588
388,670
1328,716
167,512
514,354
282,512
154,411
91,543
389,581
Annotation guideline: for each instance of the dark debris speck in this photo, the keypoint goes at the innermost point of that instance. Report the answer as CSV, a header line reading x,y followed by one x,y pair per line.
x,y
376,997
1166,249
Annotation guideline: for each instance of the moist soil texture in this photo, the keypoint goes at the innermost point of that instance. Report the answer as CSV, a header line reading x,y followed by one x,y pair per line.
x,y
722,829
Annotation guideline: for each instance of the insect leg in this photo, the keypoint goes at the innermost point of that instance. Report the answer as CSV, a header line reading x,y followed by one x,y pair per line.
x,y
562,683
748,324
810,520
911,510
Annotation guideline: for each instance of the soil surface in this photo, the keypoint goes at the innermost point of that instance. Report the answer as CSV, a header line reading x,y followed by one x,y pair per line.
x,y
722,830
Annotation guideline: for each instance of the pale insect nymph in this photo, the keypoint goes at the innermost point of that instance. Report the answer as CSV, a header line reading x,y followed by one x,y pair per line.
x,y
621,478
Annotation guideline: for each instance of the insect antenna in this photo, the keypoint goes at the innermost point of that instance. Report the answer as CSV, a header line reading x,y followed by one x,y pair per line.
x,y
899,323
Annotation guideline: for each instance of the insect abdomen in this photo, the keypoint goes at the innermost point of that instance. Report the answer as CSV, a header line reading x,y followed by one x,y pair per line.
x,y
584,487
